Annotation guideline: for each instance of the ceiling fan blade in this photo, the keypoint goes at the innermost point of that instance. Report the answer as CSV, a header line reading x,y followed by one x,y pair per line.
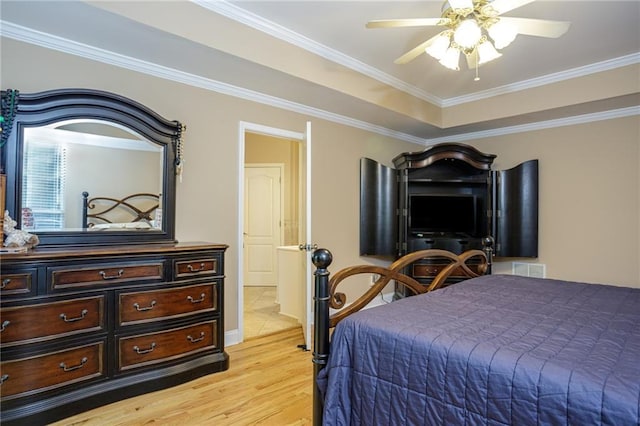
x,y
417,22
539,27
503,6
415,52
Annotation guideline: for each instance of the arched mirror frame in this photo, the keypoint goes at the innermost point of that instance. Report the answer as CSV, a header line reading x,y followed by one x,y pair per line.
x,y
45,108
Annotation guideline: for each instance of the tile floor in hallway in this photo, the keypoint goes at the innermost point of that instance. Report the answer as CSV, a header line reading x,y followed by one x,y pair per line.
x,y
261,313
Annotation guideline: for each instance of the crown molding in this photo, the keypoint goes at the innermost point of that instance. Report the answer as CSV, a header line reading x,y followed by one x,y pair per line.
x,y
38,38
540,125
597,67
53,42
259,23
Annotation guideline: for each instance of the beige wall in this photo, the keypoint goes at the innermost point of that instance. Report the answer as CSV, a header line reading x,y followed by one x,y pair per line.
x,y
207,197
589,197
589,217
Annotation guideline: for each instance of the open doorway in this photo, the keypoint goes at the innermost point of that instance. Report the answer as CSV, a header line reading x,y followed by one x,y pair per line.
x,y
270,233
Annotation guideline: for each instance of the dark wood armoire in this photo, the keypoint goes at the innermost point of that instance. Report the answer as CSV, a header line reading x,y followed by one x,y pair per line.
x,y
447,197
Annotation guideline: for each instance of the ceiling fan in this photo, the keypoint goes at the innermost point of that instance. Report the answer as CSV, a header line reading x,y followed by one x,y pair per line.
x,y
475,28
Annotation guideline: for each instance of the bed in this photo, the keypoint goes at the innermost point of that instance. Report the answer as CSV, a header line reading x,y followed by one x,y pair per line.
x,y
491,350
136,211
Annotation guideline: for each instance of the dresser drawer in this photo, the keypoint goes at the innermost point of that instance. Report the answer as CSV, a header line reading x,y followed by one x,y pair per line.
x,y
19,283
40,373
431,270
141,350
152,305
195,267
33,323
105,275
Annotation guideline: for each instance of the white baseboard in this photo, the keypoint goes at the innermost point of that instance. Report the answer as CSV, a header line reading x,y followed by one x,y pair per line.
x,y
231,337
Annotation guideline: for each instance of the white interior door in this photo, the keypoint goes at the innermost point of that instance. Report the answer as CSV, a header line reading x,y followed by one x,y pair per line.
x,y
305,232
262,223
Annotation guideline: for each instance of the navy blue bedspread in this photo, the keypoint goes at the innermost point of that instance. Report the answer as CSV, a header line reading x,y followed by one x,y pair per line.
x,y
495,350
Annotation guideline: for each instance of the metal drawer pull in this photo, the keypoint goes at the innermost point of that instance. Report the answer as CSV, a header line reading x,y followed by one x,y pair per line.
x,y
145,351
192,300
191,269
3,378
4,325
148,308
83,361
5,283
198,339
82,315
111,277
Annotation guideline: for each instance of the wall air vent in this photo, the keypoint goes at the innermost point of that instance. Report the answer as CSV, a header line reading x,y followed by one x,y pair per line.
x,y
535,270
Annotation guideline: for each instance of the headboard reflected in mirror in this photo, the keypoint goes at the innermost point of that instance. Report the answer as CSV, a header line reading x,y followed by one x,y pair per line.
x,y
63,143
135,211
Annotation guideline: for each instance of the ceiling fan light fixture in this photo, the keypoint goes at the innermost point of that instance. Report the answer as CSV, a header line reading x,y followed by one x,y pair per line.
x,y
439,47
475,28
486,52
467,34
502,33
463,7
451,59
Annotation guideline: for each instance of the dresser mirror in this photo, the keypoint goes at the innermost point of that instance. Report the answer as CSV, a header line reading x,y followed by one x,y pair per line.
x,y
87,167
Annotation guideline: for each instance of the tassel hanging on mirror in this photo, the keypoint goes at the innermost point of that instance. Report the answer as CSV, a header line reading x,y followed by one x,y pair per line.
x,y
9,103
178,144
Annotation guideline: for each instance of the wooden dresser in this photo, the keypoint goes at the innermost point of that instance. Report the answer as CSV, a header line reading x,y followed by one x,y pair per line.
x,y
85,327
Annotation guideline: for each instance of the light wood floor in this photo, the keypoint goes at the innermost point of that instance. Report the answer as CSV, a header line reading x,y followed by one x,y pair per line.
x,y
269,382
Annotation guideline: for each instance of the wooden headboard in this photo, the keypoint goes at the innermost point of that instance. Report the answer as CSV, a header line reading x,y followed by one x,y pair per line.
x,y
140,207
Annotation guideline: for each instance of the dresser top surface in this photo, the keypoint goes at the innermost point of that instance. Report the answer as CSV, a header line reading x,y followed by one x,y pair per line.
x,y
182,247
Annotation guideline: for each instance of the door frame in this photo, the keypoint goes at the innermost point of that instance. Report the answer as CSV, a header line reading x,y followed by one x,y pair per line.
x,y
247,127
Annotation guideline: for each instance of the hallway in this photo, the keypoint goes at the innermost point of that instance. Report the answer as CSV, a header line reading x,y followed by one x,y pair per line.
x,y
261,313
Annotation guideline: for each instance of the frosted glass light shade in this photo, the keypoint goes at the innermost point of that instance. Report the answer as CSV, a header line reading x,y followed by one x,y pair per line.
x,y
439,47
461,4
486,52
467,34
502,33
451,59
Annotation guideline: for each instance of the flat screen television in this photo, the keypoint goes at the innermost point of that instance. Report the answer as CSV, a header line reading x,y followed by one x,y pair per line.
x,y
443,213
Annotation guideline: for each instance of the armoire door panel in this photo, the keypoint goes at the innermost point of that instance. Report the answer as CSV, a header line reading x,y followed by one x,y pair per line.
x,y
517,211
378,209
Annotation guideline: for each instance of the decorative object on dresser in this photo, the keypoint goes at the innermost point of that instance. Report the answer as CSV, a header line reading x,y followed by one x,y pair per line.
x,y
447,197
16,239
90,317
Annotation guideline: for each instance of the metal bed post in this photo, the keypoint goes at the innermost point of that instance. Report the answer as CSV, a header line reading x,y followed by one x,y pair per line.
x,y
487,244
85,202
321,259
